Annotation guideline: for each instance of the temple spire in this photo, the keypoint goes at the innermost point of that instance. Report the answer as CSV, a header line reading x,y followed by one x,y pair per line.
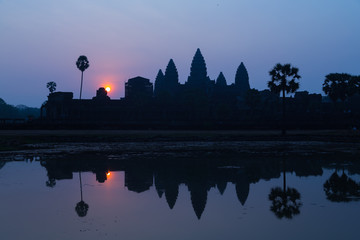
x,y
198,66
198,71
242,79
170,80
159,83
171,74
221,81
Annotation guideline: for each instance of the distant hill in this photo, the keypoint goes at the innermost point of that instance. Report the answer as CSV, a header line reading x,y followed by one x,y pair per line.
x,y
20,111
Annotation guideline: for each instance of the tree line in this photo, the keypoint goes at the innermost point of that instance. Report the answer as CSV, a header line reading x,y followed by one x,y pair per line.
x,y
8,111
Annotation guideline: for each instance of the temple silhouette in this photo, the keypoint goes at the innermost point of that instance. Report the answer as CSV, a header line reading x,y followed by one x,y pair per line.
x,y
198,103
198,174
202,172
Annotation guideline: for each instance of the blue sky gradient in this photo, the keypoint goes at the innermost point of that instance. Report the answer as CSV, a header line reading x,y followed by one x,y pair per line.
x,y
41,41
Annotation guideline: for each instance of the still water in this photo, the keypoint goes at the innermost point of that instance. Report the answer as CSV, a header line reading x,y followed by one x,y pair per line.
x,y
97,196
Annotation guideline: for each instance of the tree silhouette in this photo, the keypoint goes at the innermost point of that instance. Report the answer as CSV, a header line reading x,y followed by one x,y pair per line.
x,y
284,80
51,182
341,189
354,85
337,86
82,64
81,207
285,202
51,86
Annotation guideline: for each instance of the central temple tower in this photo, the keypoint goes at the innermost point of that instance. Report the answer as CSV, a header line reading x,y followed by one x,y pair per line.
x,y
198,73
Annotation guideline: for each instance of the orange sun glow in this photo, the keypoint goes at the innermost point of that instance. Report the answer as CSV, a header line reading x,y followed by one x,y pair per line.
x,y
108,89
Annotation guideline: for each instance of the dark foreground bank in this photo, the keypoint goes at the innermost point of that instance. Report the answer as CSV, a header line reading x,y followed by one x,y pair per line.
x,y
261,142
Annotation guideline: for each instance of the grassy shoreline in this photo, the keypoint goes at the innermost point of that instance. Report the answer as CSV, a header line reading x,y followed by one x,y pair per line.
x,y
20,139
179,133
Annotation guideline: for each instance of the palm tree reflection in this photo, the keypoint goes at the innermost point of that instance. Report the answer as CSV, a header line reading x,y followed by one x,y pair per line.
x,y
285,202
81,207
51,182
341,188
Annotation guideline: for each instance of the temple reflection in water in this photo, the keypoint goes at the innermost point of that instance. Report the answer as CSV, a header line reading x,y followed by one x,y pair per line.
x,y
179,196
200,175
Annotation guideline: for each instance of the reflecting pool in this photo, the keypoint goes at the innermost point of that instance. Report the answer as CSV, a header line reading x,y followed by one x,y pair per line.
x,y
99,196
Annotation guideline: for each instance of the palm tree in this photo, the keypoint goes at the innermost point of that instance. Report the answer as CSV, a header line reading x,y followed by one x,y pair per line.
x,y
82,64
81,207
285,202
283,80
51,86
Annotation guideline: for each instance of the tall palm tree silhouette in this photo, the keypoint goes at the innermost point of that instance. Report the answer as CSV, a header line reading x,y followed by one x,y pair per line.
x,y
286,201
82,64
283,80
81,207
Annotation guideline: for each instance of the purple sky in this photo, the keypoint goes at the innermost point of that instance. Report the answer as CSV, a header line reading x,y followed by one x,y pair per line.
x,y
41,40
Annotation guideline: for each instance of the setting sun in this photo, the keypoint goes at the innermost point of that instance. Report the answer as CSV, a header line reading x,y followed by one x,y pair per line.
x,y
108,89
